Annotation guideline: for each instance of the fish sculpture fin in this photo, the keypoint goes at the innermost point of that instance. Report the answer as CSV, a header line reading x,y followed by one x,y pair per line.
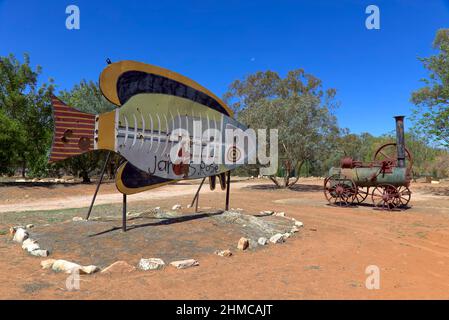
x,y
212,182
73,131
223,180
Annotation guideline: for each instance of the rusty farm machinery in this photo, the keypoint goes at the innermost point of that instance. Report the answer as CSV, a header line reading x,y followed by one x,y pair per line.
x,y
385,180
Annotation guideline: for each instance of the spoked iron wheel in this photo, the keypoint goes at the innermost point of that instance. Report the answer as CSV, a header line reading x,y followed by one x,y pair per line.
x,y
339,191
385,196
403,197
362,194
388,152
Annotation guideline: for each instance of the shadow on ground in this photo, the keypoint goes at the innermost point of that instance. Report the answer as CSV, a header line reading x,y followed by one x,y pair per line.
x,y
296,187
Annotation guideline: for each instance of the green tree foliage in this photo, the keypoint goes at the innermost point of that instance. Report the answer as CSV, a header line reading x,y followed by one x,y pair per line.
x,y
87,97
10,139
432,100
26,113
297,106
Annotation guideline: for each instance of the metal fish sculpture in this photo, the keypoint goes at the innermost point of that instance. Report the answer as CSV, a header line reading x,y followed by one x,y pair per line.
x,y
121,80
146,130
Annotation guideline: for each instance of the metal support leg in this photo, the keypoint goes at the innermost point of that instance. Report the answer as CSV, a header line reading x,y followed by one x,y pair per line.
x,y
197,195
228,187
196,204
98,185
124,214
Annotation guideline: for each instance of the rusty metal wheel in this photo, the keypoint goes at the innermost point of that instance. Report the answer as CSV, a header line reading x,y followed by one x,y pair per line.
x,y
384,196
362,194
339,191
388,152
403,196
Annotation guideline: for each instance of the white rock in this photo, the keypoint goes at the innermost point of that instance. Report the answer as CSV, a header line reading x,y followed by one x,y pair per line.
x,y
151,264
294,229
65,266
299,224
267,212
69,267
188,206
20,235
176,207
286,235
277,238
30,245
183,264
89,269
77,219
279,214
29,226
157,208
262,241
39,253
27,242
47,264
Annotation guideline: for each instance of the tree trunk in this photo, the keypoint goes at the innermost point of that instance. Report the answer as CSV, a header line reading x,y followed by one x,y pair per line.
x,y
85,177
24,165
273,178
288,170
297,175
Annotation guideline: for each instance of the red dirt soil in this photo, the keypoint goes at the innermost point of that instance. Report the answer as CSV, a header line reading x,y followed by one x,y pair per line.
x,y
325,260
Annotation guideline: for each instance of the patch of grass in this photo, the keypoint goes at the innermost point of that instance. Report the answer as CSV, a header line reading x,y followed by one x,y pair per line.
x,y
421,234
3,232
52,216
312,267
420,224
55,216
35,286
355,284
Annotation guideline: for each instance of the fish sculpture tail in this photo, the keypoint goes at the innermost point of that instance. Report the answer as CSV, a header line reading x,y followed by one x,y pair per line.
x,y
73,131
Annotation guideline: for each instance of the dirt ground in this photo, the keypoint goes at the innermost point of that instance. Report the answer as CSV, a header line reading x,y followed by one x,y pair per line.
x,y
326,259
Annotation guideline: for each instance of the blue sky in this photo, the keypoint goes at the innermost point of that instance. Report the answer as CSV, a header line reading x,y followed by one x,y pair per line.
x,y
216,42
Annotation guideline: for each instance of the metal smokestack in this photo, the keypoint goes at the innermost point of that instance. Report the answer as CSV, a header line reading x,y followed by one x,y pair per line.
x,y
400,144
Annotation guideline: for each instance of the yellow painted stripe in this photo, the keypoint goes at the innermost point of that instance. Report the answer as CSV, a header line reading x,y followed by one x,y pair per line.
x,y
63,123
73,111
62,126
74,117
106,131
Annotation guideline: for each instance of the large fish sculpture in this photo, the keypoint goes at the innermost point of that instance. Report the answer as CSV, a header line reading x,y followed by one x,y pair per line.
x,y
120,80
146,130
